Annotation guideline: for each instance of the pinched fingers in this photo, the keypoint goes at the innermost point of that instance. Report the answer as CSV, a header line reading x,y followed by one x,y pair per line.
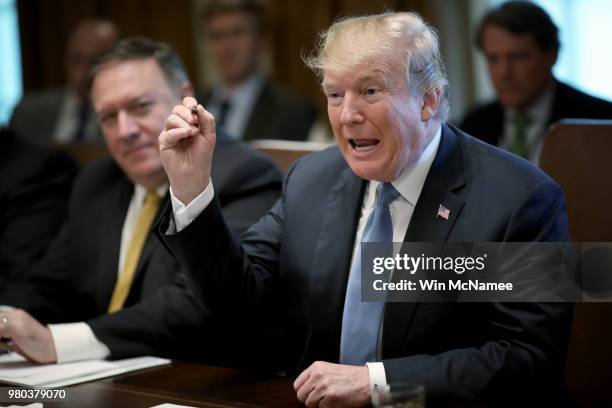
x,y
195,114
176,129
206,122
187,114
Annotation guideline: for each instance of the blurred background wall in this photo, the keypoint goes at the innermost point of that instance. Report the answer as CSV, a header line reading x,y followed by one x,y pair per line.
x,y
42,28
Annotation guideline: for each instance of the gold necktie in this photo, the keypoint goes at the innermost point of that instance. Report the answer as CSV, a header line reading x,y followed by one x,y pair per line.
x,y
141,231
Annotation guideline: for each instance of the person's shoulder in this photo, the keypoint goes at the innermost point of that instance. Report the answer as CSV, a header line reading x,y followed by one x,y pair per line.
x,y
236,163
497,165
321,165
25,160
482,112
227,149
582,101
43,97
485,122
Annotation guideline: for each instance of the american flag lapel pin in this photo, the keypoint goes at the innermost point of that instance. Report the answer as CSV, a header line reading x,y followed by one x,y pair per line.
x,y
443,212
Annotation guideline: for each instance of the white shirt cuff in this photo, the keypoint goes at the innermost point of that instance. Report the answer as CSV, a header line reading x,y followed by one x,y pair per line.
x,y
378,378
76,341
185,214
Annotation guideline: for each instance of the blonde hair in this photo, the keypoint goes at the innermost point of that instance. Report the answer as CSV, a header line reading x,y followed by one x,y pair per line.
x,y
352,41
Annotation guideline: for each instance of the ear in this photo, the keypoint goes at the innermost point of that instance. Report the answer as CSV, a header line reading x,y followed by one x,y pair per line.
x,y
430,104
186,89
550,58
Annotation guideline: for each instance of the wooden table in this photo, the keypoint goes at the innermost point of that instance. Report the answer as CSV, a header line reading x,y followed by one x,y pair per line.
x,y
183,384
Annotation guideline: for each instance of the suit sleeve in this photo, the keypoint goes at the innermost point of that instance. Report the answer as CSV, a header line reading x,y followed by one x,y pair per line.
x,y
527,341
44,290
151,326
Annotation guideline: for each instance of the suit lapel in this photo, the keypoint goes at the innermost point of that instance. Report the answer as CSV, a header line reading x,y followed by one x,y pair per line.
x,y
331,263
443,186
115,209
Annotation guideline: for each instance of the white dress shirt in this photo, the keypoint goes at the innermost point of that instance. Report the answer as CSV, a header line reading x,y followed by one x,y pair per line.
x,y
409,184
241,100
76,341
539,112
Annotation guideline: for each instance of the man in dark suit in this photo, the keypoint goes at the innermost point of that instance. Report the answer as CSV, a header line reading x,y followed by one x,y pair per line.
x,y
95,267
35,185
244,103
520,43
398,173
65,114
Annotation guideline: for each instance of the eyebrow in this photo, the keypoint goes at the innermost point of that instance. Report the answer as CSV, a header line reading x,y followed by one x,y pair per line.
x,y
374,76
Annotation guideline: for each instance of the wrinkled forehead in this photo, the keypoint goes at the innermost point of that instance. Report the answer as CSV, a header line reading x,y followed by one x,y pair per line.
x,y
380,66
352,50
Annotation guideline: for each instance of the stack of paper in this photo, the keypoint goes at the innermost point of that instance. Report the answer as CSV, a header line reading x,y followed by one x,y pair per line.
x,y
14,369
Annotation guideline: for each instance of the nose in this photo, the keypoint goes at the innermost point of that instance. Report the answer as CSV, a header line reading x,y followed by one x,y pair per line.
x,y
504,68
127,126
351,113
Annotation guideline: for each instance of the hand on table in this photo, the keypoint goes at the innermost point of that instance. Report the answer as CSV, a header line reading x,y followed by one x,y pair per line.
x,y
333,385
23,334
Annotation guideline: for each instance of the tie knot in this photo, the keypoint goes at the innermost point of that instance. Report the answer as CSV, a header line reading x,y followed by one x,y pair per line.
x,y
386,194
522,119
151,199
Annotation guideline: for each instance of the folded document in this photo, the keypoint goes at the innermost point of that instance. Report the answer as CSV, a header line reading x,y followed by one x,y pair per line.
x,y
14,369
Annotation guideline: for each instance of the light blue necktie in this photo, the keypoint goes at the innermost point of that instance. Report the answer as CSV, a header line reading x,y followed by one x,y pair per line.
x,y
361,320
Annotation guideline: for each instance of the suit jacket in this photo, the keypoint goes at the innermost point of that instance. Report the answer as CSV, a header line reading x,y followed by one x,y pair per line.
x,y
75,281
37,115
294,264
278,114
487,122
34,187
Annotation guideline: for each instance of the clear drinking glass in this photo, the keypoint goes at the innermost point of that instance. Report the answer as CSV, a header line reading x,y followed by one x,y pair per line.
x,y
399,395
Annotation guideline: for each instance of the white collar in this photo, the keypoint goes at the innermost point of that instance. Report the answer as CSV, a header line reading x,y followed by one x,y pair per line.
x,y
248,87
140,191
412,178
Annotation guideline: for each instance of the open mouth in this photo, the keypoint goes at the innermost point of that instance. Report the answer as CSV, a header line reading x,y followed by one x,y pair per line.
x,y
364,145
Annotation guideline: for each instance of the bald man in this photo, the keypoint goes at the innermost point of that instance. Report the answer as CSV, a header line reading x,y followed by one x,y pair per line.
x,y
64,114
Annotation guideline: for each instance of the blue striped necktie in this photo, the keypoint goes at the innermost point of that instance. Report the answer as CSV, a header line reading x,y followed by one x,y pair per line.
x,y
361,320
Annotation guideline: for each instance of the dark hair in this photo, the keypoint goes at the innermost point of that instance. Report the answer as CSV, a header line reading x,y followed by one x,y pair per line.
x,y
522,17
136,48
255,8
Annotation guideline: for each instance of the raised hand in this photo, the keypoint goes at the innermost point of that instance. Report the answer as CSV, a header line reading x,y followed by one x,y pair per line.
x,y
186,146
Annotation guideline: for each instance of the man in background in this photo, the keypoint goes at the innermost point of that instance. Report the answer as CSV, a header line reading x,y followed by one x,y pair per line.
x,y
521,45
65,115
246,104
106,272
